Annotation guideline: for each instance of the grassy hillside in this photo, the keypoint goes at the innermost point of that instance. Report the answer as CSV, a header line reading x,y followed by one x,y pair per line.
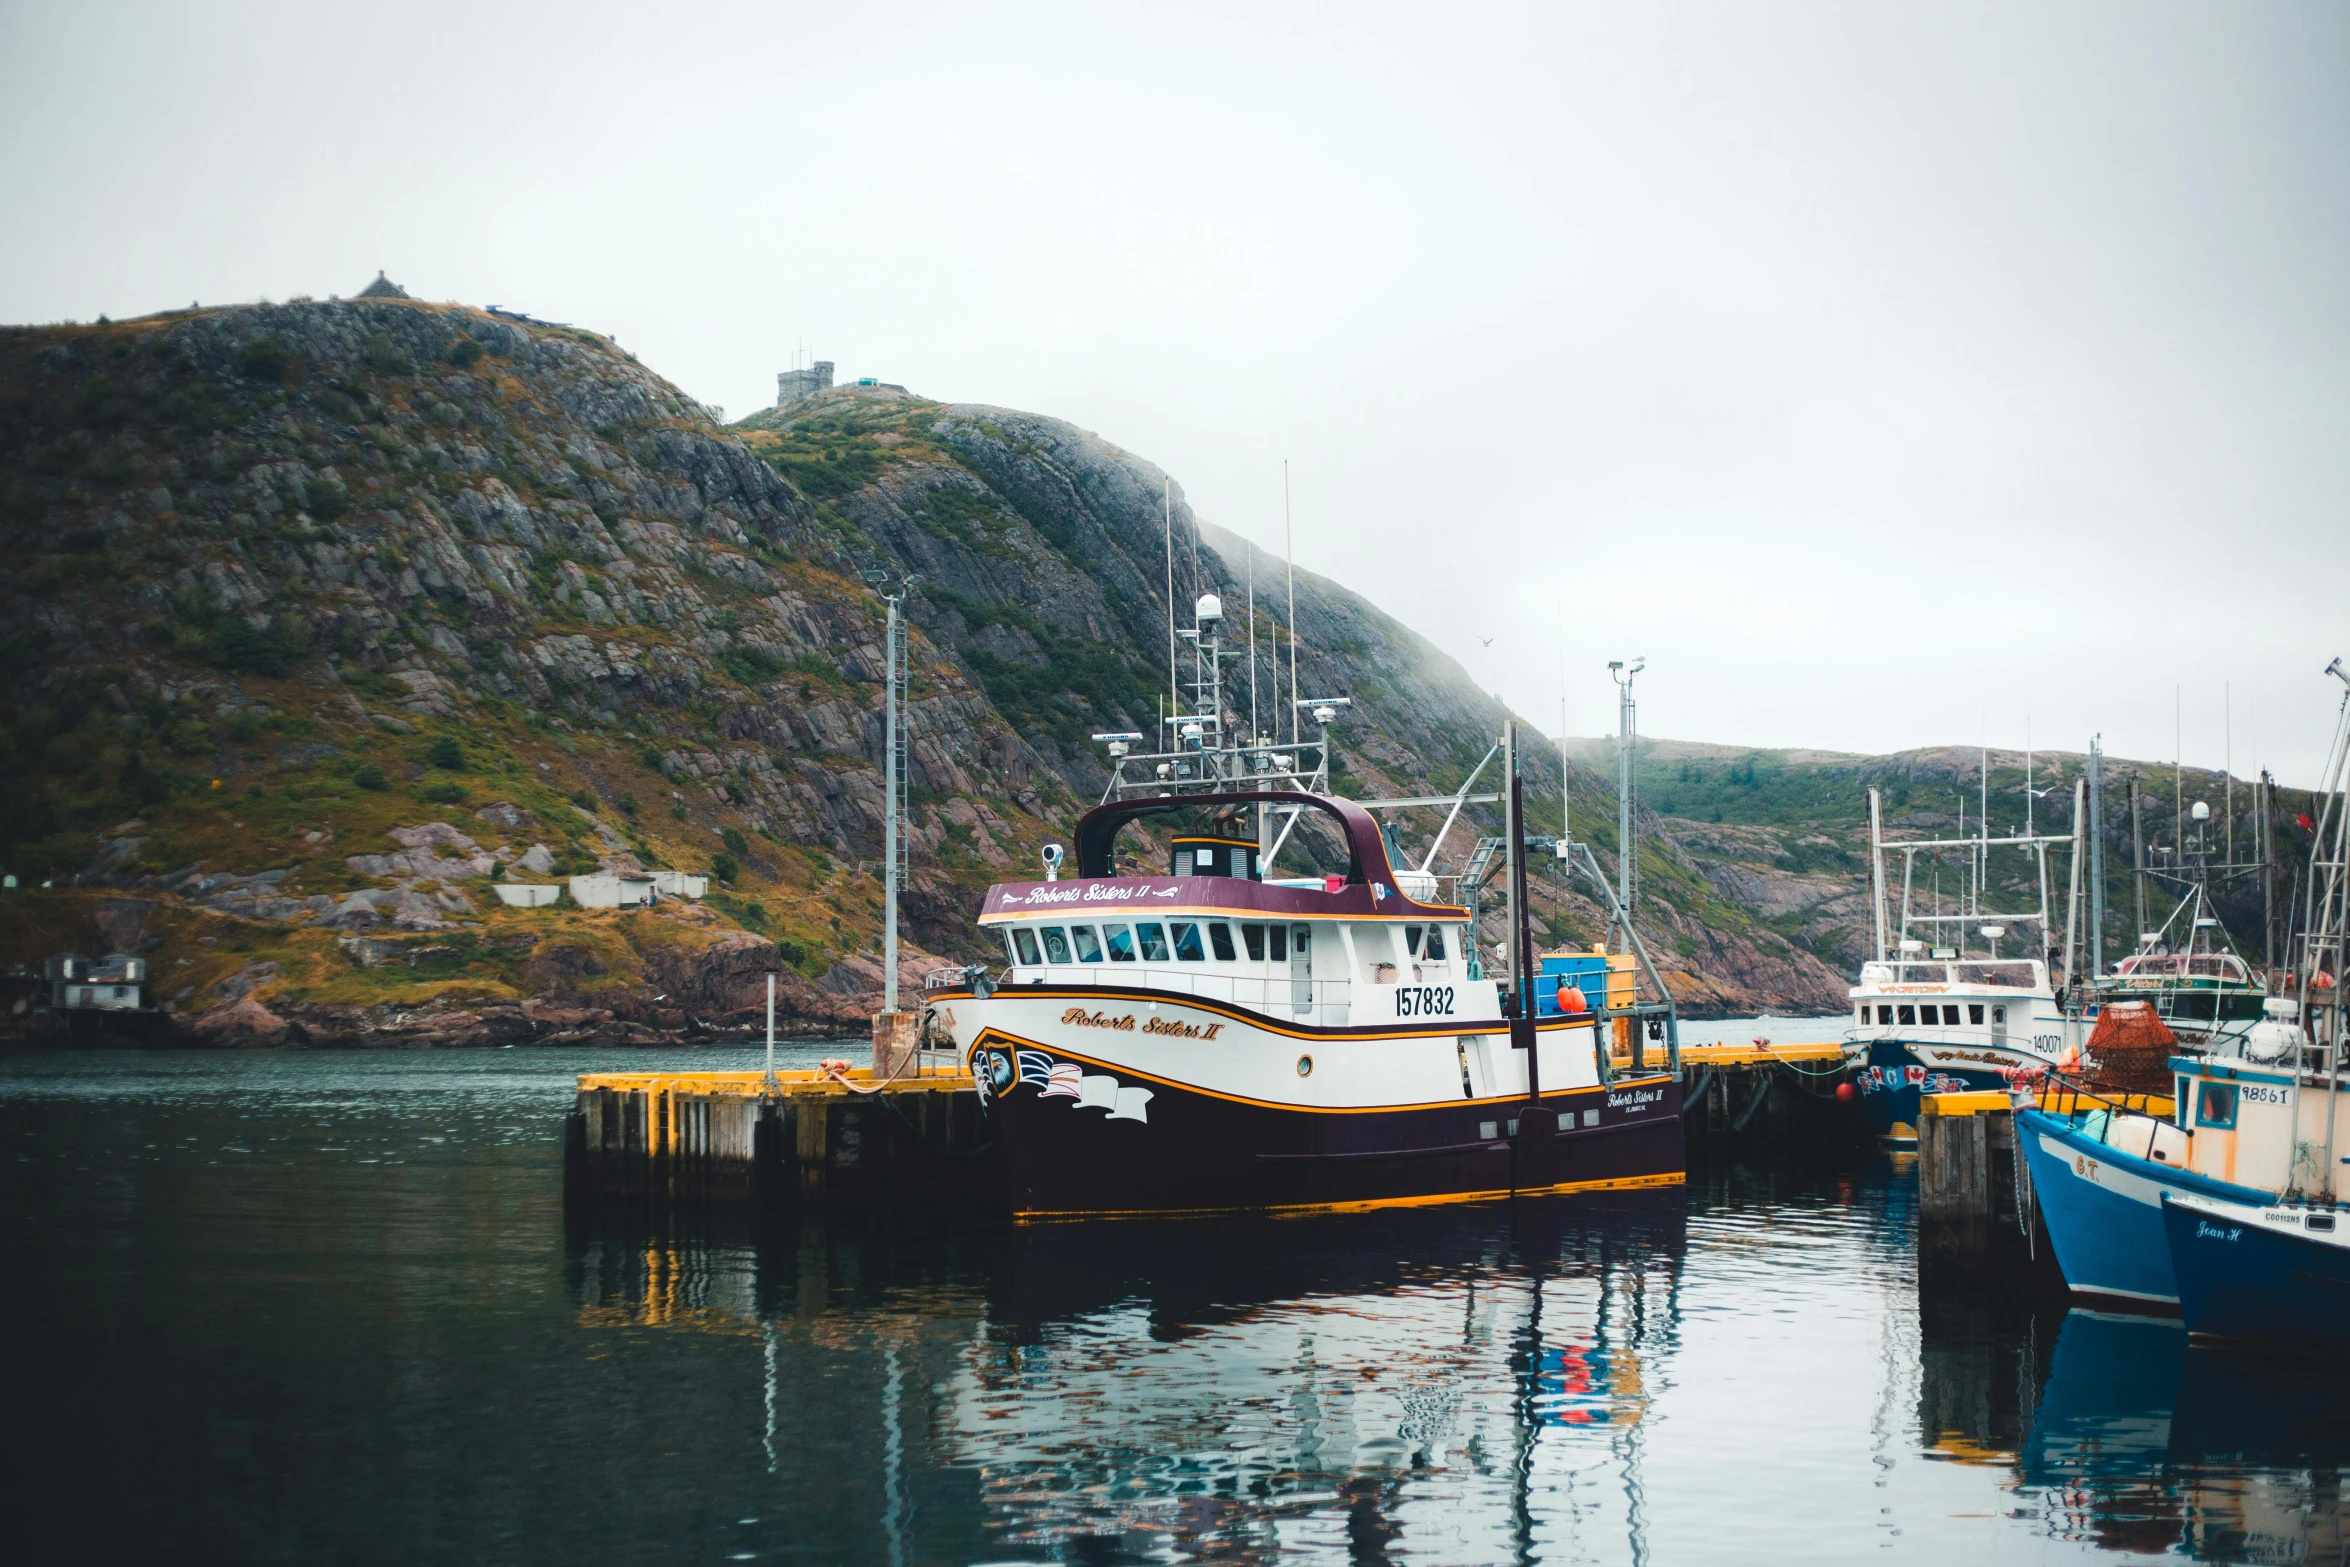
x,y
1784,833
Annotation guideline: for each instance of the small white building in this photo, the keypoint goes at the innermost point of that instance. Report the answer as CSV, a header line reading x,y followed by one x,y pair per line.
x,y
681,884
527,894
611,890
112,984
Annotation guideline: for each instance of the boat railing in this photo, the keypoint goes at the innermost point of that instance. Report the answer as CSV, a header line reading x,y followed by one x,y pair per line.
x,y
2006,973
1269,993
2080,1103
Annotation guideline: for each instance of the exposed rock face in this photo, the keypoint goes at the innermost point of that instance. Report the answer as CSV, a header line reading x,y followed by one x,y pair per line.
x,y
293,587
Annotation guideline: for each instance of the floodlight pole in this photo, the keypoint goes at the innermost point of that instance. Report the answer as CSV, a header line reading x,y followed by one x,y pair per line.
x,y
893,779
1627,725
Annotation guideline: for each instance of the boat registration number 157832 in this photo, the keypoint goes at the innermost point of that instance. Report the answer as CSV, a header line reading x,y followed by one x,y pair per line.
x,y
1423,1001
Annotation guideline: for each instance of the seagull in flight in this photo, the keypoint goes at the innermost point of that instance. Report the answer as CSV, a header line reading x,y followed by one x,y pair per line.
x,y
1489,641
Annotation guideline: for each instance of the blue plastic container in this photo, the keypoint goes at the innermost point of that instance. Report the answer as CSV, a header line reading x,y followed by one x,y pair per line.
x,y
1583,971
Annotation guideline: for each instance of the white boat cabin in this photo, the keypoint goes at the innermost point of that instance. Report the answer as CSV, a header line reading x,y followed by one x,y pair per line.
x,y
1330,972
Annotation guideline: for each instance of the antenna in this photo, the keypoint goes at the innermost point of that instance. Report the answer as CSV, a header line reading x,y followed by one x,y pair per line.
x,y
1167,508
1289,550
1253,735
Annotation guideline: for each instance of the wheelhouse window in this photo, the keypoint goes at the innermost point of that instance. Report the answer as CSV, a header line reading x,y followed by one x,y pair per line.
x,y
1974,1013
1088,949
1909,1016
1187,944
1252,937
2215,1105
1120,941
1411,939
1204,859
1433,949
1220,943
1056,944
1277,943
1152,937
1024,943
1885,1017
1950,1017
1864,1016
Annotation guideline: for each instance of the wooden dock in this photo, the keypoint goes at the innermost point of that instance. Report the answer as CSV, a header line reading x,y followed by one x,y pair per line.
x,y
1783,1094
1979,1231
818,1138
812,1138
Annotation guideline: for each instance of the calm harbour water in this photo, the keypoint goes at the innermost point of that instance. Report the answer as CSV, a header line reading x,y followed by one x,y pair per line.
x,y
308,1307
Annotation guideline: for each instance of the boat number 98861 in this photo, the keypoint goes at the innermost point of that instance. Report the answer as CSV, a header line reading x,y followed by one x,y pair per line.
x,y
1423,1001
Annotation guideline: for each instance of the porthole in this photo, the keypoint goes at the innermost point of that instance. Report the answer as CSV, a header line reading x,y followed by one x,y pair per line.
x,y
1305,1066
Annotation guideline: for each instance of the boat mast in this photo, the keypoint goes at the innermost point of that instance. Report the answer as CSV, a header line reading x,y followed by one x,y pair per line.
x,y
2072,904
1877,870
2096,854
2138,859
1521,935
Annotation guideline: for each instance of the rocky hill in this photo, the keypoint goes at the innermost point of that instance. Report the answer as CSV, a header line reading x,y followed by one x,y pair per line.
x,y
325,617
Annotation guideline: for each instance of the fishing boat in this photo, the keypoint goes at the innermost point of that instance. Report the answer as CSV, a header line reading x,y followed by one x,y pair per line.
x,y
2205,992
1933,1012
2277,1270
2250,1122
2102,1165
1217,1036
2280,1267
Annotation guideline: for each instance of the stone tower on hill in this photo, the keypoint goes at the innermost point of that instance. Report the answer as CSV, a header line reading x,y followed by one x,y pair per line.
x,y
383,288
792,385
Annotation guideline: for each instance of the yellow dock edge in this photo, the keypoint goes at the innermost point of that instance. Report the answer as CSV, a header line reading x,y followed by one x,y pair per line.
x,y
754,1085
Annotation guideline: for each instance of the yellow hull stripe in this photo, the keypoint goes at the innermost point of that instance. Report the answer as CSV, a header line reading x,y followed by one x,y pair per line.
x,y
1365,1205
997,1036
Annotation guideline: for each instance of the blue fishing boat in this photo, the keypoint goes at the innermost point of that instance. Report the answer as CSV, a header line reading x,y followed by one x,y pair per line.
x,y
2278,1271
2101,1171
2254,1135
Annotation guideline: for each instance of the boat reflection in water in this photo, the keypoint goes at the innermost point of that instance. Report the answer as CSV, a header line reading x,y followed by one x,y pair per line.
x,y
2121,1436
1473,1381
1742,1369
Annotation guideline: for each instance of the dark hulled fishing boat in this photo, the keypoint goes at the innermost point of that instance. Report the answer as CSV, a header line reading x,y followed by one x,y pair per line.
x,y
1219,1038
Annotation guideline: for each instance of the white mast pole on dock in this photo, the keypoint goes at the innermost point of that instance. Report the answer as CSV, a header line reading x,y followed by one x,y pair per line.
x,y
1627,849
895,658
771,1028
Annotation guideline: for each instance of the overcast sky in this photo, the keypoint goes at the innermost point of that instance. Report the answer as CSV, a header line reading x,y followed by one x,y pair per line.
x,y
1887,375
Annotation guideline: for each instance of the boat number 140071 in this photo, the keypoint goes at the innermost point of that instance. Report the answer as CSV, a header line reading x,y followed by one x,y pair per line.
x,y
1423,1001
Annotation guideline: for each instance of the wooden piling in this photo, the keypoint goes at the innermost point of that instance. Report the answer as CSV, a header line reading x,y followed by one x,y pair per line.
x,y
798,1138
1977,1224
